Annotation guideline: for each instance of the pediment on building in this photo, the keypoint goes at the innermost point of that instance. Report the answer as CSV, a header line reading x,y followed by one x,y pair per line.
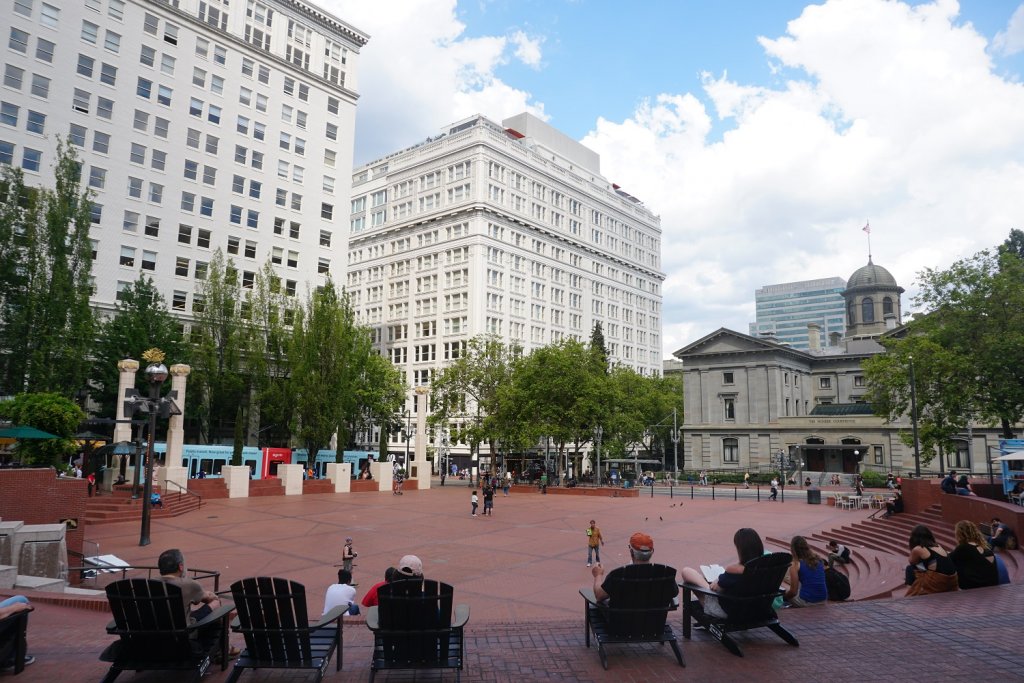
x,y
726,341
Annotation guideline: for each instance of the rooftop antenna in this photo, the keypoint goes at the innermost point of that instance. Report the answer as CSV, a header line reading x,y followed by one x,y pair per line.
x,y
867,229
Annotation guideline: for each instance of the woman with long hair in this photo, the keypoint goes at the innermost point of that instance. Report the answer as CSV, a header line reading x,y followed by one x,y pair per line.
x,y
806,576
974,561
931,569
749,546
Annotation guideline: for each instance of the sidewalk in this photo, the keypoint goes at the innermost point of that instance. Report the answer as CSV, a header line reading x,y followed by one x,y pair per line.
x,y
520,571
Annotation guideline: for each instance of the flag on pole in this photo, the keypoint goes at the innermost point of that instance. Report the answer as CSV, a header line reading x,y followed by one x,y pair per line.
x,y
867,228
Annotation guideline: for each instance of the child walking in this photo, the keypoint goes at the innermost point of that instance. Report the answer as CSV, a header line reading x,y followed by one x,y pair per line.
x,y
594,543
475,501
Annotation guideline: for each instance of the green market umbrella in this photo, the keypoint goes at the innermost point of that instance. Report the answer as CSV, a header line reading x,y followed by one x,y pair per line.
x,y
25,432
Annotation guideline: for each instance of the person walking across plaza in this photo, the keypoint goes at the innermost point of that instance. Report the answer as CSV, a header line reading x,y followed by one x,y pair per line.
x,y
775,489
594,543
348,554
474,501
746,480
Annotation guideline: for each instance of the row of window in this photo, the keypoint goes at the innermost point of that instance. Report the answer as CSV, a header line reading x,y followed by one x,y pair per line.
x,y
729,377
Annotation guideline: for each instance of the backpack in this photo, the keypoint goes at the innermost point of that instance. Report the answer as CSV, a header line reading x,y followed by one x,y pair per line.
x,y
837,584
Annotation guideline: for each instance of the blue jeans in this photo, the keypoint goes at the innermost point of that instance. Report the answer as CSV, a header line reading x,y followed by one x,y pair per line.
x,y
14,601
593,554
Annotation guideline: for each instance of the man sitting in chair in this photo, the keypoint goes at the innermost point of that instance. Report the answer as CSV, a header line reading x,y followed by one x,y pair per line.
x,y
641,548
172,570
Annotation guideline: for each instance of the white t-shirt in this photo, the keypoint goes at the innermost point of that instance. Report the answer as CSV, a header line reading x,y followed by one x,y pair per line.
x,y
339,594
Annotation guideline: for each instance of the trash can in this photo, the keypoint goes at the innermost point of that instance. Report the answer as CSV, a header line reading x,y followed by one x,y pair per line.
x,y
814,496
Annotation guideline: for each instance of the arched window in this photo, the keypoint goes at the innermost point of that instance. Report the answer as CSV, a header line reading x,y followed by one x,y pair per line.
x,y
867,310
851,309
814,441
886,306
730,450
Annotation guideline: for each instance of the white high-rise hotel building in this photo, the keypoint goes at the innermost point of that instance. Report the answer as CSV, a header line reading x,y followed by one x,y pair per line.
x,y
199,124
504,229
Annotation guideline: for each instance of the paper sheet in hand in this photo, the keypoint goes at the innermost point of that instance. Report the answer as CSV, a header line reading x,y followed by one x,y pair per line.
x,y
712,571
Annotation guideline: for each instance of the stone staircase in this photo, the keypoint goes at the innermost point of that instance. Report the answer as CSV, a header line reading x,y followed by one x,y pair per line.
x,y
878,551
119,506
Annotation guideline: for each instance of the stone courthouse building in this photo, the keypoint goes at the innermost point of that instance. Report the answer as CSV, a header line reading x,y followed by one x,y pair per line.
x,y
751,401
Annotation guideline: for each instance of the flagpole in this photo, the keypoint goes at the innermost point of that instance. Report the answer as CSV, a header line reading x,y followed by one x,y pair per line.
x,y
867,229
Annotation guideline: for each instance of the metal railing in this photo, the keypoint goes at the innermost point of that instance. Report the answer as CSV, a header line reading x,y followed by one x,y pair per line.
x,y
100,575
184,490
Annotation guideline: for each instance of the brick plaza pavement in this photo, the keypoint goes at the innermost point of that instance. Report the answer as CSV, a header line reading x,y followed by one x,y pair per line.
x,y
520,572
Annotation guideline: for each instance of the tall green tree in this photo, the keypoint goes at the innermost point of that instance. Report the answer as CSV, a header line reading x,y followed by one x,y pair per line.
x,y
561,389
265,340
466,392
597,344
47,324
380,393
968,349
217,386
18,235
51,413
140,321
327,354
944,409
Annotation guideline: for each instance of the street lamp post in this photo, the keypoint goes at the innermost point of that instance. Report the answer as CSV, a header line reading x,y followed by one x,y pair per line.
x,y
156,373
913,418
598,433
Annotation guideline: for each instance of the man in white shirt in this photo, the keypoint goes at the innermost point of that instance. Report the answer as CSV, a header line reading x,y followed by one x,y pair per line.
x,y
341,593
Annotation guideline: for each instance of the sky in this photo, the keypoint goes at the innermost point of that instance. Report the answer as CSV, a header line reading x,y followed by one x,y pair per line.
x,y
766,135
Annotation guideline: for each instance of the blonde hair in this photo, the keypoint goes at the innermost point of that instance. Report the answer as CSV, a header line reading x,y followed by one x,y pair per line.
x,y
967,532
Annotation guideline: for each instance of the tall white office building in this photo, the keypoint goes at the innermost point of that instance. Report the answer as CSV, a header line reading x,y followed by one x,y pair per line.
x,y
785,310
199,124
504,229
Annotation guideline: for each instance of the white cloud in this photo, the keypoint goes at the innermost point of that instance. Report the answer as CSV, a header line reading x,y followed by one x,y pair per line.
x,y
420,71
528,49
1011,41
880,111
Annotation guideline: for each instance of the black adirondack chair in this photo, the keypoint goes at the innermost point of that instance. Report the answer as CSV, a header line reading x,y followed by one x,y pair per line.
x,y
13,629
642,595
413,627
749,605
273,620
154,634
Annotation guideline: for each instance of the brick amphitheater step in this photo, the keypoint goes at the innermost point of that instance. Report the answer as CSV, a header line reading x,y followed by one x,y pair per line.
x,y
879,550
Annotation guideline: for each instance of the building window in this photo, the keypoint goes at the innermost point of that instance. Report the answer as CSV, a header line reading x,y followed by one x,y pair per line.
x,y
858,380
729,406
730,451
178,300
867,310
878,455
727,378
825,382
886,306
181,266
